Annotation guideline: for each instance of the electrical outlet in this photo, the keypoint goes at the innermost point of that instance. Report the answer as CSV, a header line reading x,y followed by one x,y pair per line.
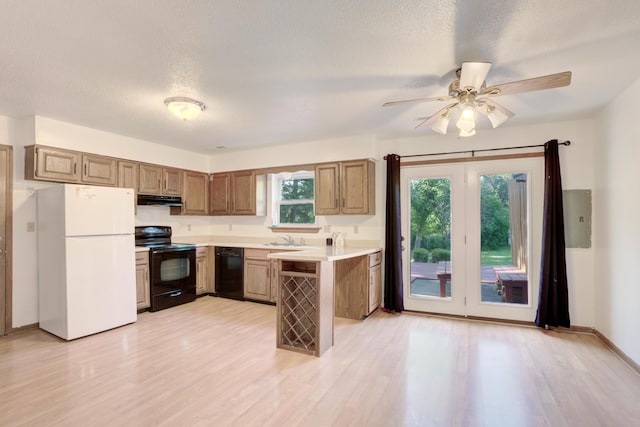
x,y
188,227
327,228
230,227
31,227
355,229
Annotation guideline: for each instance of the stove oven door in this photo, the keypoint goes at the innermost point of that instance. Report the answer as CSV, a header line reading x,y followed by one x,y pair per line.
x,y
173,277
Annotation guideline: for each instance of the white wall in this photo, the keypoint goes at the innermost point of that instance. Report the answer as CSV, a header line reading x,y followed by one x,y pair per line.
x,y
358,229
576,164
40,130
617,178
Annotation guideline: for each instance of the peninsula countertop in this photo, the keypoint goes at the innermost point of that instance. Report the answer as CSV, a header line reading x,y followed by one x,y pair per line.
x,y
327,253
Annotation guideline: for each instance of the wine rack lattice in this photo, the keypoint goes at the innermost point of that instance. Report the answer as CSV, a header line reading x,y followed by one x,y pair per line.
x,y
299,298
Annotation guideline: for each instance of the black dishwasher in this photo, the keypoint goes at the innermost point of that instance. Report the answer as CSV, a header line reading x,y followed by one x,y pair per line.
x,y
229,272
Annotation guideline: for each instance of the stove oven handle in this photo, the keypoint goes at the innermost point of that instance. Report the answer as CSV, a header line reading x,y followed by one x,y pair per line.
x,y
175,294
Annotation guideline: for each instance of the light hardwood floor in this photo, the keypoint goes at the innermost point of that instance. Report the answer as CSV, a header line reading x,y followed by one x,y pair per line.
x,y
213,363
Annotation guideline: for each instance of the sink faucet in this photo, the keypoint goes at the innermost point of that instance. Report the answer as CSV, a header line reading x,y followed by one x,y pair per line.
x,y
287,239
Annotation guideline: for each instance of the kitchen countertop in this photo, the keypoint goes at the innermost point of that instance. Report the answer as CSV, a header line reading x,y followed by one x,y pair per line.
x,y
302,253
329,253
142,249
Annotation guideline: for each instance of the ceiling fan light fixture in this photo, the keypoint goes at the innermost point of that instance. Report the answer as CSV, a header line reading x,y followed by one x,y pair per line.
x,y
496,117
467,120
464,133
441,124
184,108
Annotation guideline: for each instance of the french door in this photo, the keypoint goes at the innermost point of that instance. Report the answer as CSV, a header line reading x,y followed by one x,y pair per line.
x,y
472,237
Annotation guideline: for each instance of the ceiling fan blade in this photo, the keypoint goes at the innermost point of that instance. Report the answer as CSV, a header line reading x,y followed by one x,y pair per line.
x,y
529,85
473,74
436,116
415,101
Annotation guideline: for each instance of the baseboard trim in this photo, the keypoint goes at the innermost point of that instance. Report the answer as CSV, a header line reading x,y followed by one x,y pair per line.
x,y
614,348
24,328
572,330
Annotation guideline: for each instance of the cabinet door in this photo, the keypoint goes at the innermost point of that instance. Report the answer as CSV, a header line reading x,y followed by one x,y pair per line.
x,y
172,182
257,283
356,187
128,175
201,274
375,285
327,189
142,281
57,164
150,179
351,283
99,170
219,197
243,193
196,193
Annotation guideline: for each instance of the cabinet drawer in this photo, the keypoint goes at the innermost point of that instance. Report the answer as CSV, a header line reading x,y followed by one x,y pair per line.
x,y
256,253
201,251
142,258
375,259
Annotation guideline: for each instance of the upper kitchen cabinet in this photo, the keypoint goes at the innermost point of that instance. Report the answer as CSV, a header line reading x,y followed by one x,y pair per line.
x,y
128,174
154,179
219,194
60,165
99,170
237,193
195,193
51,164
327,189
346,188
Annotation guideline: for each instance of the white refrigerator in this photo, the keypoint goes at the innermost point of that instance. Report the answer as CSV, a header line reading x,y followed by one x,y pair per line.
x,y
86,259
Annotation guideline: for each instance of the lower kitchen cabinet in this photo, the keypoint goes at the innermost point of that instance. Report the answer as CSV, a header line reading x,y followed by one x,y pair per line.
x,y
260,275
375,281
257,275
358,286
143,297
204,271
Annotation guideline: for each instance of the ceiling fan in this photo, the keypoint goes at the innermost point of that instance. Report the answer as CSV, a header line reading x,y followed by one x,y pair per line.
x,y
472,96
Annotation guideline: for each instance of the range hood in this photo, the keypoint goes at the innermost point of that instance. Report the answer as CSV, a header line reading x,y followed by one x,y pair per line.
x,y
150,199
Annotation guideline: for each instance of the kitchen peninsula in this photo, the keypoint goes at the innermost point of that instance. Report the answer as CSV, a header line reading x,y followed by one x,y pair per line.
x,y
315,285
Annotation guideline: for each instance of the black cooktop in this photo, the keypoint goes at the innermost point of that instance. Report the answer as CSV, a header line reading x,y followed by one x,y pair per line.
x,y
158,237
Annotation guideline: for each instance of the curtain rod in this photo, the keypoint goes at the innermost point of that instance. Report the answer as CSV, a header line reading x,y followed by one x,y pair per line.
x,y
473,152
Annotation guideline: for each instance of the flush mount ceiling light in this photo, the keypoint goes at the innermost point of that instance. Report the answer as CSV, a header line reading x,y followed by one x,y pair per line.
x,y
471,96
184,108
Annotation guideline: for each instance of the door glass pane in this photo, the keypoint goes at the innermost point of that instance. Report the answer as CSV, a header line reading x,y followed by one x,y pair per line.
x,y
503,238
430,237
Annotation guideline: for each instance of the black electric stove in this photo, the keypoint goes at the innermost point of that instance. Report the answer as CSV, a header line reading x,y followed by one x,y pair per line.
x,y
172,278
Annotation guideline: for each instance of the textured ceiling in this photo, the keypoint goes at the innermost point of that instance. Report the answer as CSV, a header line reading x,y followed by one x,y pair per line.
x,y
277,71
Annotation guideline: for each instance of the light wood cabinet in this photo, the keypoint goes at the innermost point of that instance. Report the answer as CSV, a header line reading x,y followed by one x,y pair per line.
x,y
154,179
128,174
346,188
357,286
219,194
260,275
233,193
61,165
327,189
51,164
375,281
99,170
195,193
142,280
204,271
243,193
